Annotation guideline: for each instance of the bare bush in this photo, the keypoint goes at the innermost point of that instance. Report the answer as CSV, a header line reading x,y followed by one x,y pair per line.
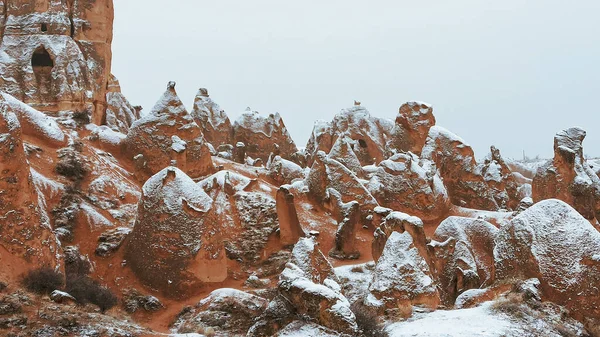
x,y
43,280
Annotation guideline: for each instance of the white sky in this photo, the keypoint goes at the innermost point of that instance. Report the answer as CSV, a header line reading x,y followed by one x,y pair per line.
x,y
508,73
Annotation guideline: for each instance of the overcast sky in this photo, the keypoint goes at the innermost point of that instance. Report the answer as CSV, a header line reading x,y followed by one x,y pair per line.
x,y
508,73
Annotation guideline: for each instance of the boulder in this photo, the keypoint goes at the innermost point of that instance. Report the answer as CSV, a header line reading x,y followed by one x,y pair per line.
x,y
212,119
455,161
552,242
466,260
176,242
310,285
343,150
263,135
226,310
568,176
25,232
367,134
411,127
61,54
168,134
401,184
402,277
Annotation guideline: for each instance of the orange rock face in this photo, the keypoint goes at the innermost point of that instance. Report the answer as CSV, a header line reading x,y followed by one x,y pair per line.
x,y
455,161
176,243
25,231
568,176
120,114
411,127
212,119
501,180
168,135
60,51
290,230
263,135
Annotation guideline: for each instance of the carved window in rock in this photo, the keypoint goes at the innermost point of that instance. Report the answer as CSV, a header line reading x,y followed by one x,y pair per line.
x,y
44,27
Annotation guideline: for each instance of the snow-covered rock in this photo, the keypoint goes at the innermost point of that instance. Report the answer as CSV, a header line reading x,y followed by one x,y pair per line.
x,y
168,134
552,242
176,242
401,184
120,114
464,256
310,285
402,277
568,176
411,127
368,135
455,161
263,135
212,119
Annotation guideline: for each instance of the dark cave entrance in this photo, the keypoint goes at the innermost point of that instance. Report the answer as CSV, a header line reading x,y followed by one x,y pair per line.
x,y
42,64
41,59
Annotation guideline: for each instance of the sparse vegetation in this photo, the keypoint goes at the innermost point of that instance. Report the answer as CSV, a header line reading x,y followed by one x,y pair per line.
x,y
86,290
82,117
43,280
367,320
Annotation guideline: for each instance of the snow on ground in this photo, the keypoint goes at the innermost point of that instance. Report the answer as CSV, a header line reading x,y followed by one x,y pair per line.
x,y
304,329
355,279
479,321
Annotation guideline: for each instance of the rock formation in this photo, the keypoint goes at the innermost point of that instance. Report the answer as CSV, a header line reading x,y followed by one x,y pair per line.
x,y
309,284
214,122
399,222
25,232
176,243
120,114
327,173
263,135
168,133
411,127
402,277
345,236
501,180
568,176
290,230
283,171
401,184
455,161
550,241
464,256
60,51
369,135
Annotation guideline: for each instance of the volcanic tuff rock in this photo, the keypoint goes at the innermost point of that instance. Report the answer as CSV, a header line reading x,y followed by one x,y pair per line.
x,y
212,119
568,176
175,243
550,241
399,222
402,277
263,135
411,127
61,53
310,285
501,180
455,162
327,173
401,184
120,114
25,231
463,256
369,135
168,133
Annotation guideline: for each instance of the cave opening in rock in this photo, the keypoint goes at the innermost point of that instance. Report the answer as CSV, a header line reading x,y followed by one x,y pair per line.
x,y
41,59
44,27
362,143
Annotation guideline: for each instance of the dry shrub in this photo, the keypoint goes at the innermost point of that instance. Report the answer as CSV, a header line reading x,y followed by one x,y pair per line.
x,y
43,280
85,290
367,320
